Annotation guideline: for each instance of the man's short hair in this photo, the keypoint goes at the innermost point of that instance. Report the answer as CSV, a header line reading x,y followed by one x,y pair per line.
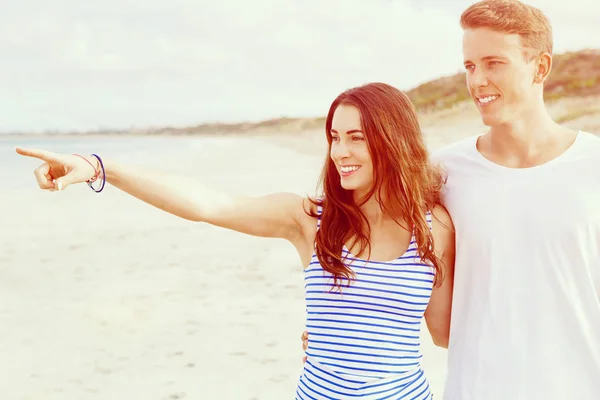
x,y
512,17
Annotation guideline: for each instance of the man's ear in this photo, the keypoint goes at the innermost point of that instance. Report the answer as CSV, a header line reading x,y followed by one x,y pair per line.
x,y
543,67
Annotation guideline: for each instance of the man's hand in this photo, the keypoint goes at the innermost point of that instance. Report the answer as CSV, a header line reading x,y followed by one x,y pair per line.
x,y
304,338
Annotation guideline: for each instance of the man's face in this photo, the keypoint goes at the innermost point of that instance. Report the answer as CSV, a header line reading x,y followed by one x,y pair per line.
x,y
499,77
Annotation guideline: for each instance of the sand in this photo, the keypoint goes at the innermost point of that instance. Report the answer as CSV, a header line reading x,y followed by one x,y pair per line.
x,y
104,297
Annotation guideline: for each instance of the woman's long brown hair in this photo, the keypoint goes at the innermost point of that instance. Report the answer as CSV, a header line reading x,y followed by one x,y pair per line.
x,y
403,177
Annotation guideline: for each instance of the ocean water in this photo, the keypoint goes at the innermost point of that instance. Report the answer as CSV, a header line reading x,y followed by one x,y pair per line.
x,y
16,171
227,162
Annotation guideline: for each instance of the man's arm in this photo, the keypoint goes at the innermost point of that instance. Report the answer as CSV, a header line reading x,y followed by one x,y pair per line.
x,y
437,314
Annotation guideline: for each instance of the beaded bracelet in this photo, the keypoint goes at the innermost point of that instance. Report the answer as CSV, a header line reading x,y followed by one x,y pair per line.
x,y
90,182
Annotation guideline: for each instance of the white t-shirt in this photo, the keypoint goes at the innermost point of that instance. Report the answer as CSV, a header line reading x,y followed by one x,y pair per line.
x,y
526,308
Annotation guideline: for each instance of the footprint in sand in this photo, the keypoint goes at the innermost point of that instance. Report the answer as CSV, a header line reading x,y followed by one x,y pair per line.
x,y
277,378
103,371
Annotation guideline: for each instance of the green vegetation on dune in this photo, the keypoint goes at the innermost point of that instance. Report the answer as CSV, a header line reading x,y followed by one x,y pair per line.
x,y
440,93
575,74
573,115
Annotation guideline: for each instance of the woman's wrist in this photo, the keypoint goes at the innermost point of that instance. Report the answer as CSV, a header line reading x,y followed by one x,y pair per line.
x,y
97,169
91,162
99,173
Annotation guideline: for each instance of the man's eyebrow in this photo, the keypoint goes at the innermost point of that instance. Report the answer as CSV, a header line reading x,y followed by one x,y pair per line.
x,y
487,58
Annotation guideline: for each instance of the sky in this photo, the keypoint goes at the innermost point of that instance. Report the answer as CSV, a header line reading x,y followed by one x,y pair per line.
x,y
74,65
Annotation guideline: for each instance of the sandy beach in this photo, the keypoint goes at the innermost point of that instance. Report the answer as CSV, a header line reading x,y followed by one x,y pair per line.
x,y
104,297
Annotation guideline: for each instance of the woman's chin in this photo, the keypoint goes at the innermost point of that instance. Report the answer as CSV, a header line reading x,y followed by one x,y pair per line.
x,y
349,185
356,189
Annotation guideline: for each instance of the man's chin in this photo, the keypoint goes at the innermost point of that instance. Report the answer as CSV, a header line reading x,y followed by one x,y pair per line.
x,y
490,120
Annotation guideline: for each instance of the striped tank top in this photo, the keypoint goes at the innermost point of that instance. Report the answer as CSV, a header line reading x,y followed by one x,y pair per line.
x,y
364,342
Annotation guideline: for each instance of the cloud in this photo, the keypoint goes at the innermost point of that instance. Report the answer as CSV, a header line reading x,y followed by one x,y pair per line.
x,y
82,65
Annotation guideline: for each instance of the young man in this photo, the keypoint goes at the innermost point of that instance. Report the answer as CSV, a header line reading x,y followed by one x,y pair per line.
x,y
525,201
524,198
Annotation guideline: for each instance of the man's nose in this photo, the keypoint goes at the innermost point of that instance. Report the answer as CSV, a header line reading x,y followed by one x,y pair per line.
x,y
478,78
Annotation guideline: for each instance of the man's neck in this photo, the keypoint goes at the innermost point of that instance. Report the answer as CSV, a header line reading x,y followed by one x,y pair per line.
x,y
526,142
521,137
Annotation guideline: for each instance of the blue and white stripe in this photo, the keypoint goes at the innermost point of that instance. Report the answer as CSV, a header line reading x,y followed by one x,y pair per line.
x,y
364,342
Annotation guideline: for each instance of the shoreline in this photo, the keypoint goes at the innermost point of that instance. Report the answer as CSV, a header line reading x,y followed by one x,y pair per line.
x,y
567,110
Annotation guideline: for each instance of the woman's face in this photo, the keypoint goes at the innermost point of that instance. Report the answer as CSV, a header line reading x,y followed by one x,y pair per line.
x,y
349,150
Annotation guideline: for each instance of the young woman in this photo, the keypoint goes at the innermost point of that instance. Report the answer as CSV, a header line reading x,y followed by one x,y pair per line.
x,y
377,248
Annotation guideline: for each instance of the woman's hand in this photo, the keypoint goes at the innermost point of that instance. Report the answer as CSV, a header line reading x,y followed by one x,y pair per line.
x,y
59,170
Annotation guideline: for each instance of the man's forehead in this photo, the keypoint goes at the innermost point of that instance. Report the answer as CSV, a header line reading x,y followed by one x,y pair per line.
x,y
485,43
487,36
